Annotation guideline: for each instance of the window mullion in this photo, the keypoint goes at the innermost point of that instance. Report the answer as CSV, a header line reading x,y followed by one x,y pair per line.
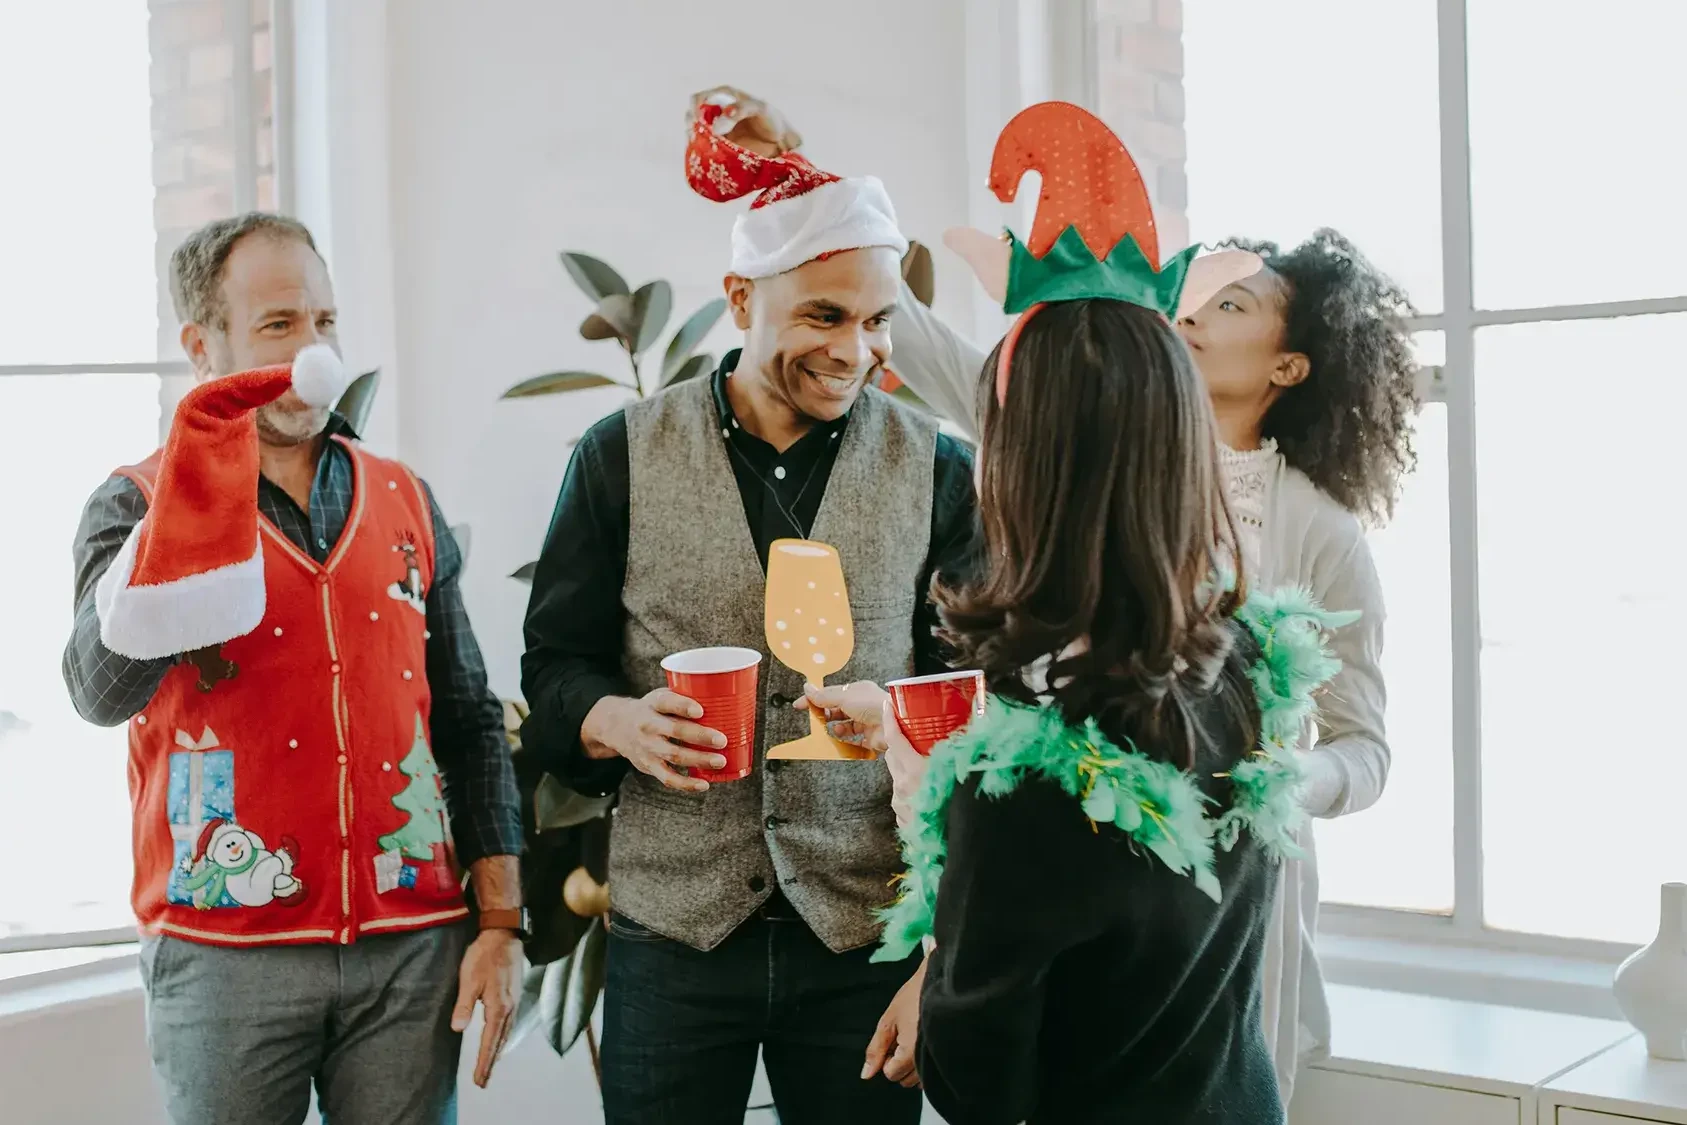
x,y
281,86
1460,389
244,135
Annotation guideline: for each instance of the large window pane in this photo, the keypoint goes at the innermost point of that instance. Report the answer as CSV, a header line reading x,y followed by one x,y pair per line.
x,y
1399,853
1577,154
76,231
64,803
1318,113
1582,659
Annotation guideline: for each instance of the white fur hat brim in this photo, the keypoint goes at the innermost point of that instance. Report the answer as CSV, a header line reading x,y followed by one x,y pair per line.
x,y
851,214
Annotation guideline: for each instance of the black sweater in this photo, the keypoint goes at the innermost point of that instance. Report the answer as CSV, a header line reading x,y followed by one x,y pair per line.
x,y
1076,980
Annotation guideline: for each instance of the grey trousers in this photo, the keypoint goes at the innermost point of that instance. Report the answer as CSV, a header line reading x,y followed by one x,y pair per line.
x,y
239,1035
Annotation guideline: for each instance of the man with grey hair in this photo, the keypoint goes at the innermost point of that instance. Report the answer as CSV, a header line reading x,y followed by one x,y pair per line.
x,y
353,730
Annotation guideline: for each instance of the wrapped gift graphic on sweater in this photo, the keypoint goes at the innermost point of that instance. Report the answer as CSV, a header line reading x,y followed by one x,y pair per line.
x,y
218,862
201,793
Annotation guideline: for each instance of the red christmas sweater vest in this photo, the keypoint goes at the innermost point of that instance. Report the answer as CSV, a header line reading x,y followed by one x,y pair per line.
x,y
294,797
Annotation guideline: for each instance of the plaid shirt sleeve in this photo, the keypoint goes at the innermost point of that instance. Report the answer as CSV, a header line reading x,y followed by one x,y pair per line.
x,y
467,722
106,688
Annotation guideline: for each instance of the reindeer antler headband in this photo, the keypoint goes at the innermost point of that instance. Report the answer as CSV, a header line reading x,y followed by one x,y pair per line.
x,y
1094,233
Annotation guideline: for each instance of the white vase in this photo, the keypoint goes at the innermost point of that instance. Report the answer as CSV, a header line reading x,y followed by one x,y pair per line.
x,y
1651,986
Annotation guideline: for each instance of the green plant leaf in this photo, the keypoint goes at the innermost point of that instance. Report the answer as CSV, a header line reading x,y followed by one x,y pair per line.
x,y
594,327
595,278
571,989
690,334
359,399
652,305
918,272
616,318
697,365
529,1012
557,806
559,382
524,572
463,536
910,397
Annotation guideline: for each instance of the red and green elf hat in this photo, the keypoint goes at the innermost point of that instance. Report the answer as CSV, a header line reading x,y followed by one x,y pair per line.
x,y
1093,235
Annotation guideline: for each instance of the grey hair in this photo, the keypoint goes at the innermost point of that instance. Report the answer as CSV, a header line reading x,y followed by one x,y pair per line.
x,y
196,267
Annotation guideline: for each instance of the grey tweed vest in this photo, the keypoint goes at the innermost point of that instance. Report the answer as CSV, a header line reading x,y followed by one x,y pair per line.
x,y
694,866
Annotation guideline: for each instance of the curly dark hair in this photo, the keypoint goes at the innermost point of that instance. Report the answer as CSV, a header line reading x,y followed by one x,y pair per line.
x,y
1348,425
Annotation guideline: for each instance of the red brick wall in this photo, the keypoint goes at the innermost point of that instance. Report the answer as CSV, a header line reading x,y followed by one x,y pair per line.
x,y
1139,80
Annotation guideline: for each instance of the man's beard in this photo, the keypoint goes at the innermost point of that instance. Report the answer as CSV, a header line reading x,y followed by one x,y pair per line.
x,y
277,426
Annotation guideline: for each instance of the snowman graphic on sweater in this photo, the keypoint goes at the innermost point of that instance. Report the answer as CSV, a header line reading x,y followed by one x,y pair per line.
x,y
233,861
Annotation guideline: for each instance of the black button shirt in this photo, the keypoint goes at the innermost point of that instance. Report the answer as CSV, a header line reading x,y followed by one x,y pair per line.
x,y
575,617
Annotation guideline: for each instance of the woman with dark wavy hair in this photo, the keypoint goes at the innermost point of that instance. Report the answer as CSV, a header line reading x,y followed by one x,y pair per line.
x,y
1094,858
1309,367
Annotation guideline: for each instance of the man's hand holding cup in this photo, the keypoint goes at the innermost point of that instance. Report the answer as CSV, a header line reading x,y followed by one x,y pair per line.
x,y
657,734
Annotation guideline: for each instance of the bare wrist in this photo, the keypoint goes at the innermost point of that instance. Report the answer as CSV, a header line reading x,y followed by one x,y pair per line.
x,y
591,740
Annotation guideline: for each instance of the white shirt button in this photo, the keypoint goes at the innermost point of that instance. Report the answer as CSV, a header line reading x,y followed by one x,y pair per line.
x,y
779,473
373,616
141,720
292,744
387,766
407,674
393,485
341,759
278,630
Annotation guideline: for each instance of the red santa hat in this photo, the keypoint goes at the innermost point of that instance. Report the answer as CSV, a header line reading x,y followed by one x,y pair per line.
x,y
191,574
801,214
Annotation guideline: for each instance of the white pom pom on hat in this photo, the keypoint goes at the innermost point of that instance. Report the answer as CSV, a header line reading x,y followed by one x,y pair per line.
x,y
319,378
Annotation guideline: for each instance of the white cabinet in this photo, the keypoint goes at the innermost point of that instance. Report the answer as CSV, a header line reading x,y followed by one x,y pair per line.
x,y
1330,1097
1621,1086
1587,1117
1401,1059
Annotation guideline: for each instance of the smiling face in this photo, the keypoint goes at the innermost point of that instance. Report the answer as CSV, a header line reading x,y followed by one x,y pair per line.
x,y
1237,339
815,334
231,849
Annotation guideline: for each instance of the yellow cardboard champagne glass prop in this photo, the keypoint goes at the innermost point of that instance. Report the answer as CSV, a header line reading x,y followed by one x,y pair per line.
x,y
810,631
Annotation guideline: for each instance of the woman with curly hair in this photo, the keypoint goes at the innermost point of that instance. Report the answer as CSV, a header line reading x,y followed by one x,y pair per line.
x,y
1309,367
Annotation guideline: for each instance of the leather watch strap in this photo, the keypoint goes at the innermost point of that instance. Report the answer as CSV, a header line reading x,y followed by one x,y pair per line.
x,y
515,920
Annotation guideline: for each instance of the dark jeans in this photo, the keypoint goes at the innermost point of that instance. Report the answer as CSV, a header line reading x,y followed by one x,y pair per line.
x,y
681,1027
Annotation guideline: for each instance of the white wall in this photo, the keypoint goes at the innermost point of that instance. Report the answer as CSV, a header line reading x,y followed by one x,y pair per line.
x,y
521,129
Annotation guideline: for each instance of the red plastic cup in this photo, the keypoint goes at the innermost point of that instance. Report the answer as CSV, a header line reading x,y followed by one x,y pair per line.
x,y
723,680
931,708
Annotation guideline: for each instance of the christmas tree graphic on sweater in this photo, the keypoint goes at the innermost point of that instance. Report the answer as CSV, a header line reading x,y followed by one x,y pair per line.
x,y
425,837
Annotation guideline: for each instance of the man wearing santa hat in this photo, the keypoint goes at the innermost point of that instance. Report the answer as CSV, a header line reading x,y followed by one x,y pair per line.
x,y
235,607
743,912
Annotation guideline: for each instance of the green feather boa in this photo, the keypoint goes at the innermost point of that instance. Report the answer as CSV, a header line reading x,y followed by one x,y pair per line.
x,y
1160,807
